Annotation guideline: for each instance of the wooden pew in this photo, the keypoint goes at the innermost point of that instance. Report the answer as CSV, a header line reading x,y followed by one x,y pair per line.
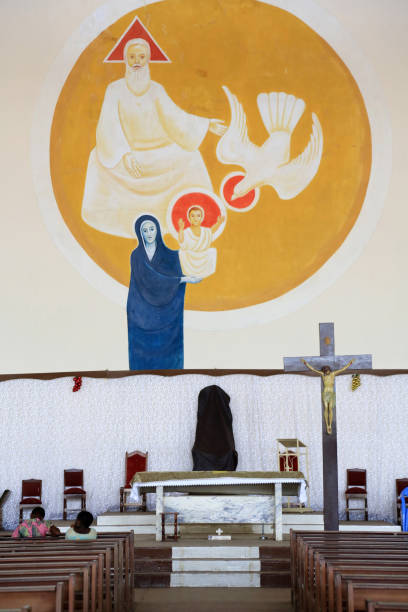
x,y
118,572
341,582
81,574
315,593
23,609
320,586
355,565
40,598
129,560
114,567
385,606
311,550
301,540
358,593
45,580
303,536
312,568
72,550
54,559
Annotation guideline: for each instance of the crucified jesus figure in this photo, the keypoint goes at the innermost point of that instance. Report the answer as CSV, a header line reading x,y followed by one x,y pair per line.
x,y
328,394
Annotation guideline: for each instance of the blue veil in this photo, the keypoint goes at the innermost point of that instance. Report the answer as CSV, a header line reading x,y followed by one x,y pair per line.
x,y
155,305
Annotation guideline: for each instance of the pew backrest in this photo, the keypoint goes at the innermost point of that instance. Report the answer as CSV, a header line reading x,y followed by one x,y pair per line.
x,y
40,598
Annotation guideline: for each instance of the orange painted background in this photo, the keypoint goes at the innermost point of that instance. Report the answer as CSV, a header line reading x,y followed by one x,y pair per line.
x,y
250,47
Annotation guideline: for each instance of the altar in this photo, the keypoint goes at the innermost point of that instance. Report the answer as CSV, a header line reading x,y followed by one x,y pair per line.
x,y
232,497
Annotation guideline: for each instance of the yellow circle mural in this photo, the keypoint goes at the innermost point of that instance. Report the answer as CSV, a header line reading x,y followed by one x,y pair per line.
x,y
250,48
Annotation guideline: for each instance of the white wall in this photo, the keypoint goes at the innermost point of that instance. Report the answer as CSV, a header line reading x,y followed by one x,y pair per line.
x,y
54,320
48,428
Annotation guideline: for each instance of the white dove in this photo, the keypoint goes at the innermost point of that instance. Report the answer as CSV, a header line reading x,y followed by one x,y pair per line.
x,y
269,164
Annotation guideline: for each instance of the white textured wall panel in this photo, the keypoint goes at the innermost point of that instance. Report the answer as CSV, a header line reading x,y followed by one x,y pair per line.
x,y
46,428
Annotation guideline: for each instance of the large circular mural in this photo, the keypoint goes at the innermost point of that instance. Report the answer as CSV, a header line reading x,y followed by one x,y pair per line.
x,y
244,101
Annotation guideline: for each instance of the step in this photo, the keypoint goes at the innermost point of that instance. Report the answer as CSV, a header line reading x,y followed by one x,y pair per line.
x,y
212,552
275,580
291,520
212,566
153,566
127,518
216,565
161,579
215,579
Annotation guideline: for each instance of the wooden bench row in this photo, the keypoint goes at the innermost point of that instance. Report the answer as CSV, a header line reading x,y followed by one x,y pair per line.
x,y
56,574
332,571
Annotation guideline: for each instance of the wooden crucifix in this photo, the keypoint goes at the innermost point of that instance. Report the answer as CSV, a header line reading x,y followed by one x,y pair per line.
x,y
328,364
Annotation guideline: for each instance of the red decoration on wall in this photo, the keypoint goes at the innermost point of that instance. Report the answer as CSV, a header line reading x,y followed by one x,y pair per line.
x,y
77,383
136,30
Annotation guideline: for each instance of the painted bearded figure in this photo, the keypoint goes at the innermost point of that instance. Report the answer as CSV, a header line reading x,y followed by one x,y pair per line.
x,y
147,150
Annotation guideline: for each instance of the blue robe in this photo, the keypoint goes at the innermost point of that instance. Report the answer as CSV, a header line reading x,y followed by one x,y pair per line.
x,y
155,306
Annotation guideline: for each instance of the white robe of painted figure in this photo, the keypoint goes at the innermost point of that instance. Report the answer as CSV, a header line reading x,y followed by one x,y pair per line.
x,y
196,256
163,138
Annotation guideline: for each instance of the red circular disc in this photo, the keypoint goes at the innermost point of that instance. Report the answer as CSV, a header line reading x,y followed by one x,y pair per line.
x,y
195,198
239,203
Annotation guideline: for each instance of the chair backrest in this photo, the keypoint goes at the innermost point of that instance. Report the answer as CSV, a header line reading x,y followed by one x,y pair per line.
x,y
31,488
135,462
357,478
73,478
400,484
288,462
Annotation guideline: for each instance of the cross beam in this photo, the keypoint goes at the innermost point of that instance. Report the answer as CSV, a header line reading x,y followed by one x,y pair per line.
x,y
328,357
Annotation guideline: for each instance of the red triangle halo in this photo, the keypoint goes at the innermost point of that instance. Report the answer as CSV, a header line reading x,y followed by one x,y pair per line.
x,y
136,30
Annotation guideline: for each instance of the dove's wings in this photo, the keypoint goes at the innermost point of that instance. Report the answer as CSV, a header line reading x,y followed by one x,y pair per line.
x,y
235,147
290,179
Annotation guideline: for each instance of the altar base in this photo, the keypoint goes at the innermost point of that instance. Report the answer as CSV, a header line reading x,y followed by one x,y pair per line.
x,y
144,523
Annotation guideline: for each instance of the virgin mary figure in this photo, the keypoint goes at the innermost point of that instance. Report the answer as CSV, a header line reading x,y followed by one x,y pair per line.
x,y
155,305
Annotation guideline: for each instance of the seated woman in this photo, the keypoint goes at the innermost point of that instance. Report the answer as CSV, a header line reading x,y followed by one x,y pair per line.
x,y
35,526
81,529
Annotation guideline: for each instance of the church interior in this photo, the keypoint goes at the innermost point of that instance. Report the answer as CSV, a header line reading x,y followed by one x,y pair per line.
x,y
188,425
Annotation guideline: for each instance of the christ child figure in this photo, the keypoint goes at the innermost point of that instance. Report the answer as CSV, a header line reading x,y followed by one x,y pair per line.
x,y
196,256
328,394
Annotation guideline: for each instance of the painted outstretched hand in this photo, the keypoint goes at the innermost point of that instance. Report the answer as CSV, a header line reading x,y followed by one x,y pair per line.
x,y
191,279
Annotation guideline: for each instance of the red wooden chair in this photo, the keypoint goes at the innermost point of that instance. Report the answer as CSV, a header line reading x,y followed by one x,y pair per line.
x,y
400,484
73,487
134,462
356,488
30,495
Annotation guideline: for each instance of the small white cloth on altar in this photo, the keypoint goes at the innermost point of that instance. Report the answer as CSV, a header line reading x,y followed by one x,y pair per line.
x,y
302,492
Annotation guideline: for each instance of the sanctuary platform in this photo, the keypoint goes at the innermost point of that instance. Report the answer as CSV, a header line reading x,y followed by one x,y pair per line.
x,y
193,561
144,523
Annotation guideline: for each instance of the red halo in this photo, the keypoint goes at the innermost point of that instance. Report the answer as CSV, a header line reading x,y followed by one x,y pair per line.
x,y
239,203
211,209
